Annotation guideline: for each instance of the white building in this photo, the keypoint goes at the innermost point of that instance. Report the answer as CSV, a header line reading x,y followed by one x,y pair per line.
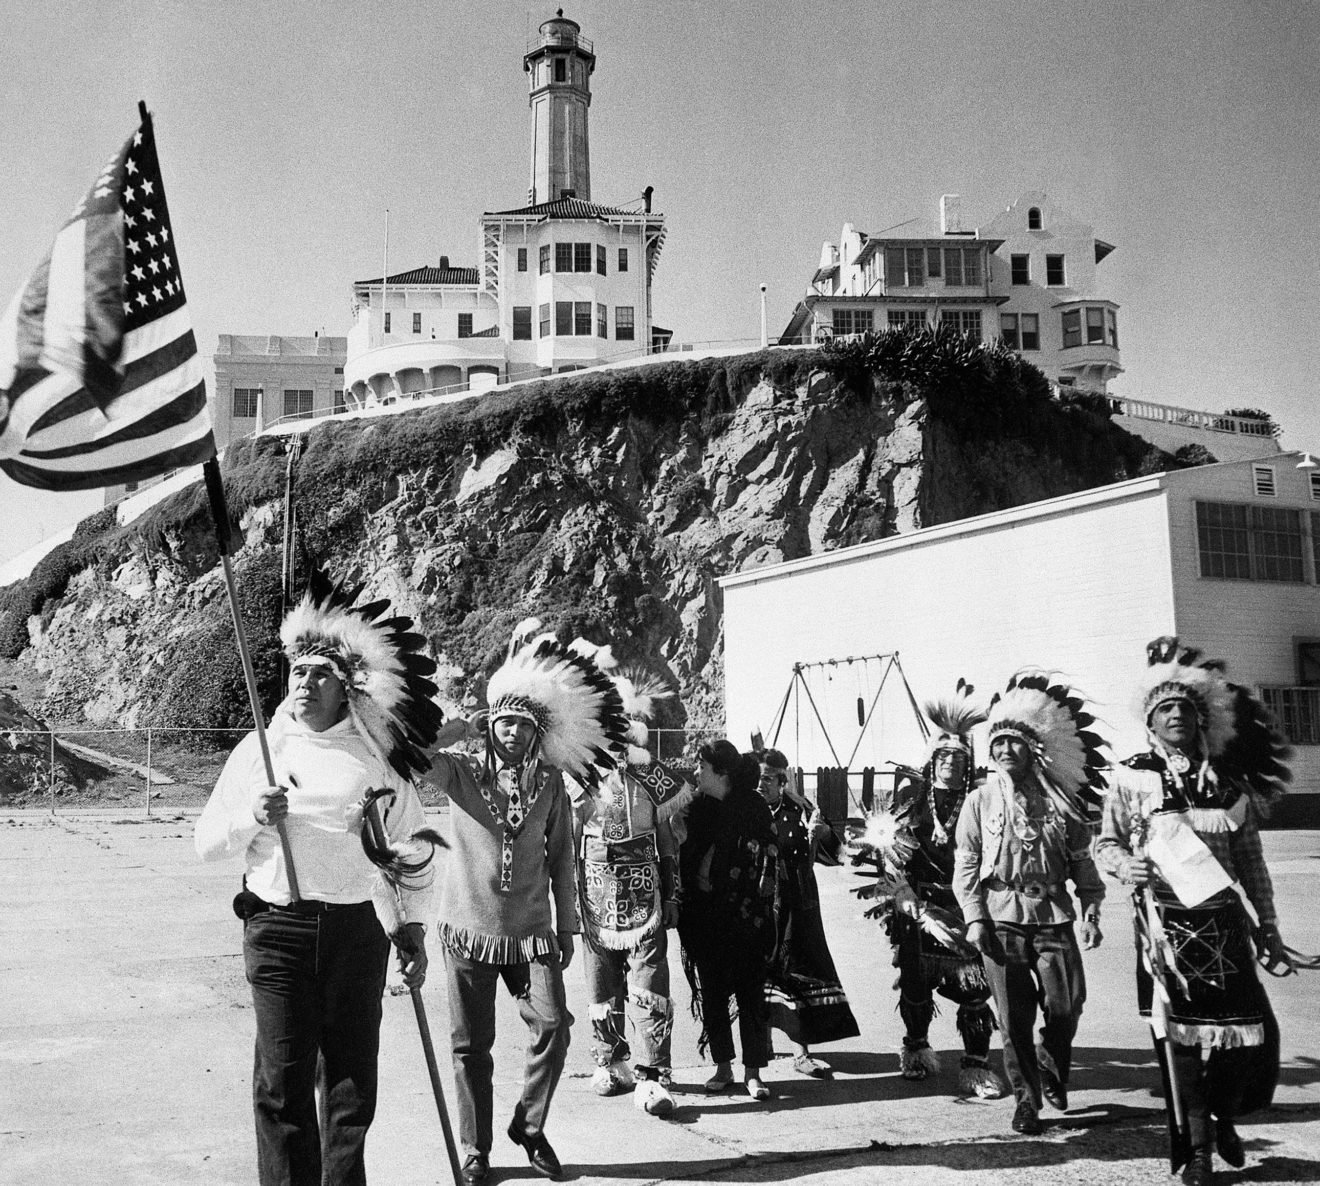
x,y
1028,276
561,283
1226,556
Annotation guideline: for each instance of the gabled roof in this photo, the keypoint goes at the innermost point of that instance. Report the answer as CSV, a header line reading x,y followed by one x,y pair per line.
x,y
427,275
570,208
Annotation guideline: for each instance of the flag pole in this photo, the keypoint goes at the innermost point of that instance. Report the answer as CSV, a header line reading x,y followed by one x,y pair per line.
x,y
215,491
373,821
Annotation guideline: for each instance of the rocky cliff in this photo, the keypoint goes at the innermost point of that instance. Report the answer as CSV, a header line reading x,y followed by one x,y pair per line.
x,y
607,504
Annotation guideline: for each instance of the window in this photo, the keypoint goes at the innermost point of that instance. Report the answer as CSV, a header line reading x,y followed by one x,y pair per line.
x,y
1033,219
522,259
600,259
1262,481
130,487
1021,267
339,404
417,323
602,321
465,325
623,259
1315,485
387,322
1008,330
1308,653
853,321
563,319
582,257
563,257
1054,271
582,318
933,263
544,256
962,266
1030,331
245,403
522,323
623,322
339,370
1298,712
1072,328
561,70
1095,324
905,267
1111,319
297,402
897,318
1249,543
965,321
544,320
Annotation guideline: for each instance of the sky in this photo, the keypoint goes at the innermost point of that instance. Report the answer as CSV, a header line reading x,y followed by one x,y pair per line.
x,y
1186,131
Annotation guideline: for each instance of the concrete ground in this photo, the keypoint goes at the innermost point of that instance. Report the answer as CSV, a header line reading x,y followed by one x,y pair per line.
x,y
126,1047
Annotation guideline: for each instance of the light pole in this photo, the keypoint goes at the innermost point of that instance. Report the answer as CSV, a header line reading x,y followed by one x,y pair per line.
x,y
765,340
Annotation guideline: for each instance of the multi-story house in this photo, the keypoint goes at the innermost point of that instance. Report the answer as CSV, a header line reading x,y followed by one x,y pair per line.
x,y
562,283
1028,276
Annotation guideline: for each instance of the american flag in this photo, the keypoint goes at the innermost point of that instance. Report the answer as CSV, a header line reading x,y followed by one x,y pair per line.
x,y
100,381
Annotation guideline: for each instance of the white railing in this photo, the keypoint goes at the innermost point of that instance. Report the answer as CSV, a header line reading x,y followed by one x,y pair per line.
x,y
1190,418
1297,711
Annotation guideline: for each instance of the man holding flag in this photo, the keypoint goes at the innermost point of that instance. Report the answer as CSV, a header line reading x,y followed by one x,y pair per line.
x,y
1180,825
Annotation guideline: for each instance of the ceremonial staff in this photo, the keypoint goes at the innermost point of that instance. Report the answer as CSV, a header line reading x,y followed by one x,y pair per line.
x,y
373,822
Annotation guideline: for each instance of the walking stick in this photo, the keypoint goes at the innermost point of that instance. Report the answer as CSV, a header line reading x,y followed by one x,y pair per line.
x,y
215,492
377,827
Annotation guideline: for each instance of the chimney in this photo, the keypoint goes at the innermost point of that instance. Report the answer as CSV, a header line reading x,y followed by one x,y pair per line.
x,y
951,214
444,263
646,198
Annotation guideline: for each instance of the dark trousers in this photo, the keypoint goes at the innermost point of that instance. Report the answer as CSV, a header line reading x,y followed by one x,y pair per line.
x,y
744,981
317,982
1042,969
916,1000
538,988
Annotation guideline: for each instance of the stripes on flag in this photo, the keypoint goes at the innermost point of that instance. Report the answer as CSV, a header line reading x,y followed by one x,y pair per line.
x,y
100,380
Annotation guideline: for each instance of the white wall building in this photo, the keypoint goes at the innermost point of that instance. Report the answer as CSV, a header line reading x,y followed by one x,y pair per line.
x,y
561,283
1028,276
1226,556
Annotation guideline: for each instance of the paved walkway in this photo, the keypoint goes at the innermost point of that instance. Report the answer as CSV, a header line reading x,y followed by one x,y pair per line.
x,y
126,1046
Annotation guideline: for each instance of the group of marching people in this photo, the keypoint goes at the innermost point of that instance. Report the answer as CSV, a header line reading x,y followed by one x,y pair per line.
x,y
972,883
564,806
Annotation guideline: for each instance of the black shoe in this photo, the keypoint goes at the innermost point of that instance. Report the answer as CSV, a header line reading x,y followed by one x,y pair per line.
x,y
538,1151
1229,1144
1198,1172
476,1170
1056,1095
1026,1120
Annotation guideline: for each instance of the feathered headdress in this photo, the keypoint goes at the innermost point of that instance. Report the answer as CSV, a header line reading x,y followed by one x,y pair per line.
x,y
381,663
575,707
638,690
954,718
1240,734
1052,719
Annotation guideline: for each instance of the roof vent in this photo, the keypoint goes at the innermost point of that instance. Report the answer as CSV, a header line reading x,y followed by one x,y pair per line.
x,y
1262,477
444,263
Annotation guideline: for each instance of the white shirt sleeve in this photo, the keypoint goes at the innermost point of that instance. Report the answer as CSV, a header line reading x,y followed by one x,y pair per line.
x,y
227,826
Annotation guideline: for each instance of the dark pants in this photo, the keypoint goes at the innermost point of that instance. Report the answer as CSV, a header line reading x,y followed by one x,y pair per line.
x,y
1042,969
917,986
317,982
744,981
539,989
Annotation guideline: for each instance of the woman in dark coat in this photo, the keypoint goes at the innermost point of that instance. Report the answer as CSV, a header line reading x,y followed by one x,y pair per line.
x,y
803,993
726,920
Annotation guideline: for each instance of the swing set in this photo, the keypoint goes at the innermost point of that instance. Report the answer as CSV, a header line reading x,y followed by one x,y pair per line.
x,y
833,793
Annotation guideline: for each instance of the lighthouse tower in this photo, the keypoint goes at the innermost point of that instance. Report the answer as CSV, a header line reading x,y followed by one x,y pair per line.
x,y
559,65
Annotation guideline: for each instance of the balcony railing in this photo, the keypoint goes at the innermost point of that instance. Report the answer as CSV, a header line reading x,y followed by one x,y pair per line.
x,y
1211,421
1297,711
